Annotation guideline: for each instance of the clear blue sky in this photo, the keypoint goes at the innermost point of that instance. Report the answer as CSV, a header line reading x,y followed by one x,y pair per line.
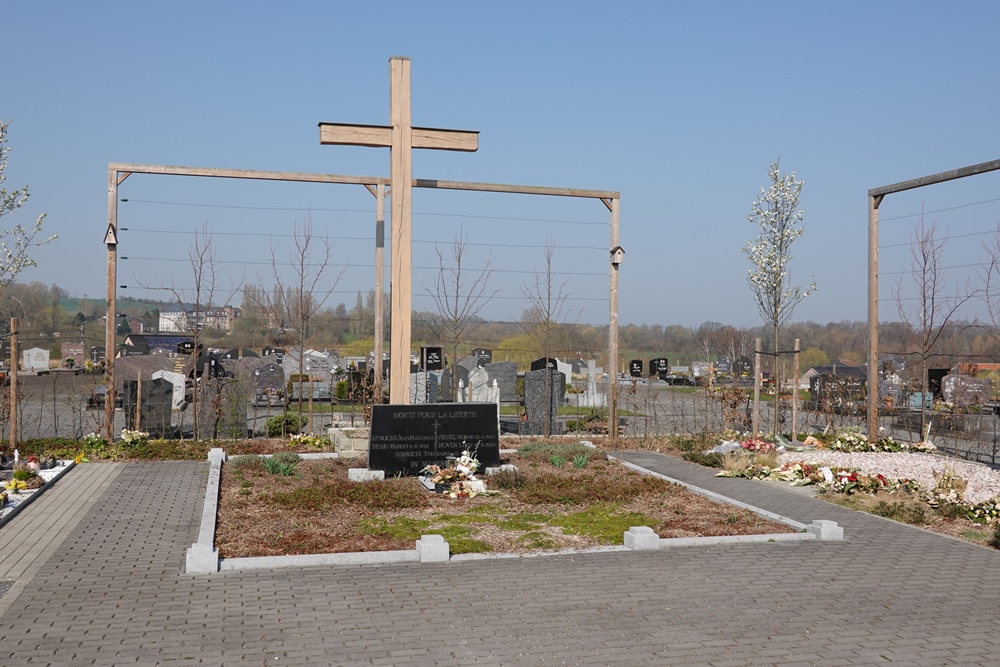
x,y
679,106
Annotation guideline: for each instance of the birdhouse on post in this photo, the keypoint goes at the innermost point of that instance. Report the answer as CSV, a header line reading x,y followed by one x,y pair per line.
x,y
617,255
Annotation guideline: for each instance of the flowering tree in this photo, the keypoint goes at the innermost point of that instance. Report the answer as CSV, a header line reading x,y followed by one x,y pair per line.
x,y
776,212
15,242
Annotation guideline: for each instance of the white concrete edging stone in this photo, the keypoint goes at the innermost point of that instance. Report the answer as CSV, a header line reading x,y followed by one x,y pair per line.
x,y
14,511
203,557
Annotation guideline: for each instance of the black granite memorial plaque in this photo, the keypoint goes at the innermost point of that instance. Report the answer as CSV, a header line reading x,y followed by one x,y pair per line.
x,y
405,438
431,358
635,368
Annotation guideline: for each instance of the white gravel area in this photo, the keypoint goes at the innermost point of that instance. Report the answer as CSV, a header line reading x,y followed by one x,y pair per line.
x,y
984,482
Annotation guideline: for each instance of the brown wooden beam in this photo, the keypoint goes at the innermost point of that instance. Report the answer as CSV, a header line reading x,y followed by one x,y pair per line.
x,y
981,168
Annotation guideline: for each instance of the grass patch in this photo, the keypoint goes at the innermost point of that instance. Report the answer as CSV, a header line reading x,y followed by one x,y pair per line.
x,y
605,522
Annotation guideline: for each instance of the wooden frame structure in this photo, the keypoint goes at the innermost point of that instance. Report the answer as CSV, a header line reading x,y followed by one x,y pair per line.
x,y
378,186
875,197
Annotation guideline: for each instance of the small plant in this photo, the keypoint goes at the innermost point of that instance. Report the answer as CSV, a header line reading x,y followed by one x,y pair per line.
x,y
277,467
948,486
580,460
22,473
558,460
736,461
287,457
707,460
767,459
508,478
134,438
15,486
245,462
287,423
310,440
995,540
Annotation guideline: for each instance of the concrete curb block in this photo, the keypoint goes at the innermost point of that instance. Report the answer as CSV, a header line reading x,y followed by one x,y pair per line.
x,y
30,499
311,560
202,557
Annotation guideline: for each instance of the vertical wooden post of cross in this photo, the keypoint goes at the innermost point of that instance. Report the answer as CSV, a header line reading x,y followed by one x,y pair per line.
x,y
400,137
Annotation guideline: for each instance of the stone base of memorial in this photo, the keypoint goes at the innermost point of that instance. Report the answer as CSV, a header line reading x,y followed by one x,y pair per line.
x,y
349,442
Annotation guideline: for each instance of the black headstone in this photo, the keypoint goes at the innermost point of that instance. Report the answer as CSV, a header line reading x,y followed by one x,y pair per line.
x,y
659,366
483,356
544,362
635,368
97,353
432,358
405,438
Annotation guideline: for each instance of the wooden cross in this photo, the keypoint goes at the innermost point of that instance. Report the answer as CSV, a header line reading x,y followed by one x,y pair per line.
x,y
400,137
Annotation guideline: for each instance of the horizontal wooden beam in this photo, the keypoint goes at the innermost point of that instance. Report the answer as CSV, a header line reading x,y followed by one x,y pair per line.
x,y
514,189
380,136
125,168
244,173
981,168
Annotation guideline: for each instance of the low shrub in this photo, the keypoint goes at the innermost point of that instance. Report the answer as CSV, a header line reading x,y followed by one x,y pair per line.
x,y
246,462
287,423
701,458
287,457
566,489
544,451
277,467
900,511
507,478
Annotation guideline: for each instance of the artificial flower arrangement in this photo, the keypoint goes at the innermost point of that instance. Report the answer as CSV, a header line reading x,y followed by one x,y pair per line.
x,y
757,445
458,477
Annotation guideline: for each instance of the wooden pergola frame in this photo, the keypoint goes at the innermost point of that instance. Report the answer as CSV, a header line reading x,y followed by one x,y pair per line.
x,y
875,197
379,187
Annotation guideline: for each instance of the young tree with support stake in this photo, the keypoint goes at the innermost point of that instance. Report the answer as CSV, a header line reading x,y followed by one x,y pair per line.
x,y
460,295
776,212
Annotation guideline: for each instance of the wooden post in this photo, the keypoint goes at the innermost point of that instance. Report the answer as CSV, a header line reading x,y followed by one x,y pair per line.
x,y
400,155
795,394
612,205
109,333
379,287
756,389
13,383
873,204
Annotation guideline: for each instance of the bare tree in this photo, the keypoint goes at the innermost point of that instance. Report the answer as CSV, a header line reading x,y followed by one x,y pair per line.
x,y
460,295
933,307
543,320
293,303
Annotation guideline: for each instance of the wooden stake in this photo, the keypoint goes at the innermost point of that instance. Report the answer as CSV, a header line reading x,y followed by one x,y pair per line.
x,y
756,389
13,384
795,394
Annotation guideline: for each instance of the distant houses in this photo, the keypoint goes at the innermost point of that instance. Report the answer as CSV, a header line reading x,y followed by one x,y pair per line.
x,y
186,318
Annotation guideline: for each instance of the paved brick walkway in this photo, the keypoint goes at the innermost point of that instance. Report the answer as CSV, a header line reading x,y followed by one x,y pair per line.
x,y
114,594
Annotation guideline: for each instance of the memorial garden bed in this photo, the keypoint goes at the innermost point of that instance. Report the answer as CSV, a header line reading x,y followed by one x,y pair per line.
x,y
560,496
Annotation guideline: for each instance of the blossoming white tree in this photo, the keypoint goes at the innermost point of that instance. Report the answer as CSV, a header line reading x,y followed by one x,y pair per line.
x,y
776,212
16,241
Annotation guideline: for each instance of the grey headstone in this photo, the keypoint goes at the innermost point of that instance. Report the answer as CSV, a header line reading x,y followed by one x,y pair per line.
x,y
423,387
459,373
223,408
542,399
479,385
505,374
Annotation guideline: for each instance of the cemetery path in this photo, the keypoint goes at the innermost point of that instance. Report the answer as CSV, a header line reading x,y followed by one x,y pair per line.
x,y
114,593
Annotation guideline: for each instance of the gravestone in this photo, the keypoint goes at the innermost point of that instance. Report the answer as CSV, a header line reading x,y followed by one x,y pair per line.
x,y
964,391
504,373
72,351
479,386
97,354
542,397
223,409
35,359
493,393
659,366
405,438
239,353
635,368
154,408
176,381
543,362
423,387
460,373
590,398
432,357
483,356
268,385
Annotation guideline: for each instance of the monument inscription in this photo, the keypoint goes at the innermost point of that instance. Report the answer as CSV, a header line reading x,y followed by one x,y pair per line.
x,y
405,438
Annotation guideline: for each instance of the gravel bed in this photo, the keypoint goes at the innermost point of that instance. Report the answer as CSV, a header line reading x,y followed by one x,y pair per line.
x,y
984,482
